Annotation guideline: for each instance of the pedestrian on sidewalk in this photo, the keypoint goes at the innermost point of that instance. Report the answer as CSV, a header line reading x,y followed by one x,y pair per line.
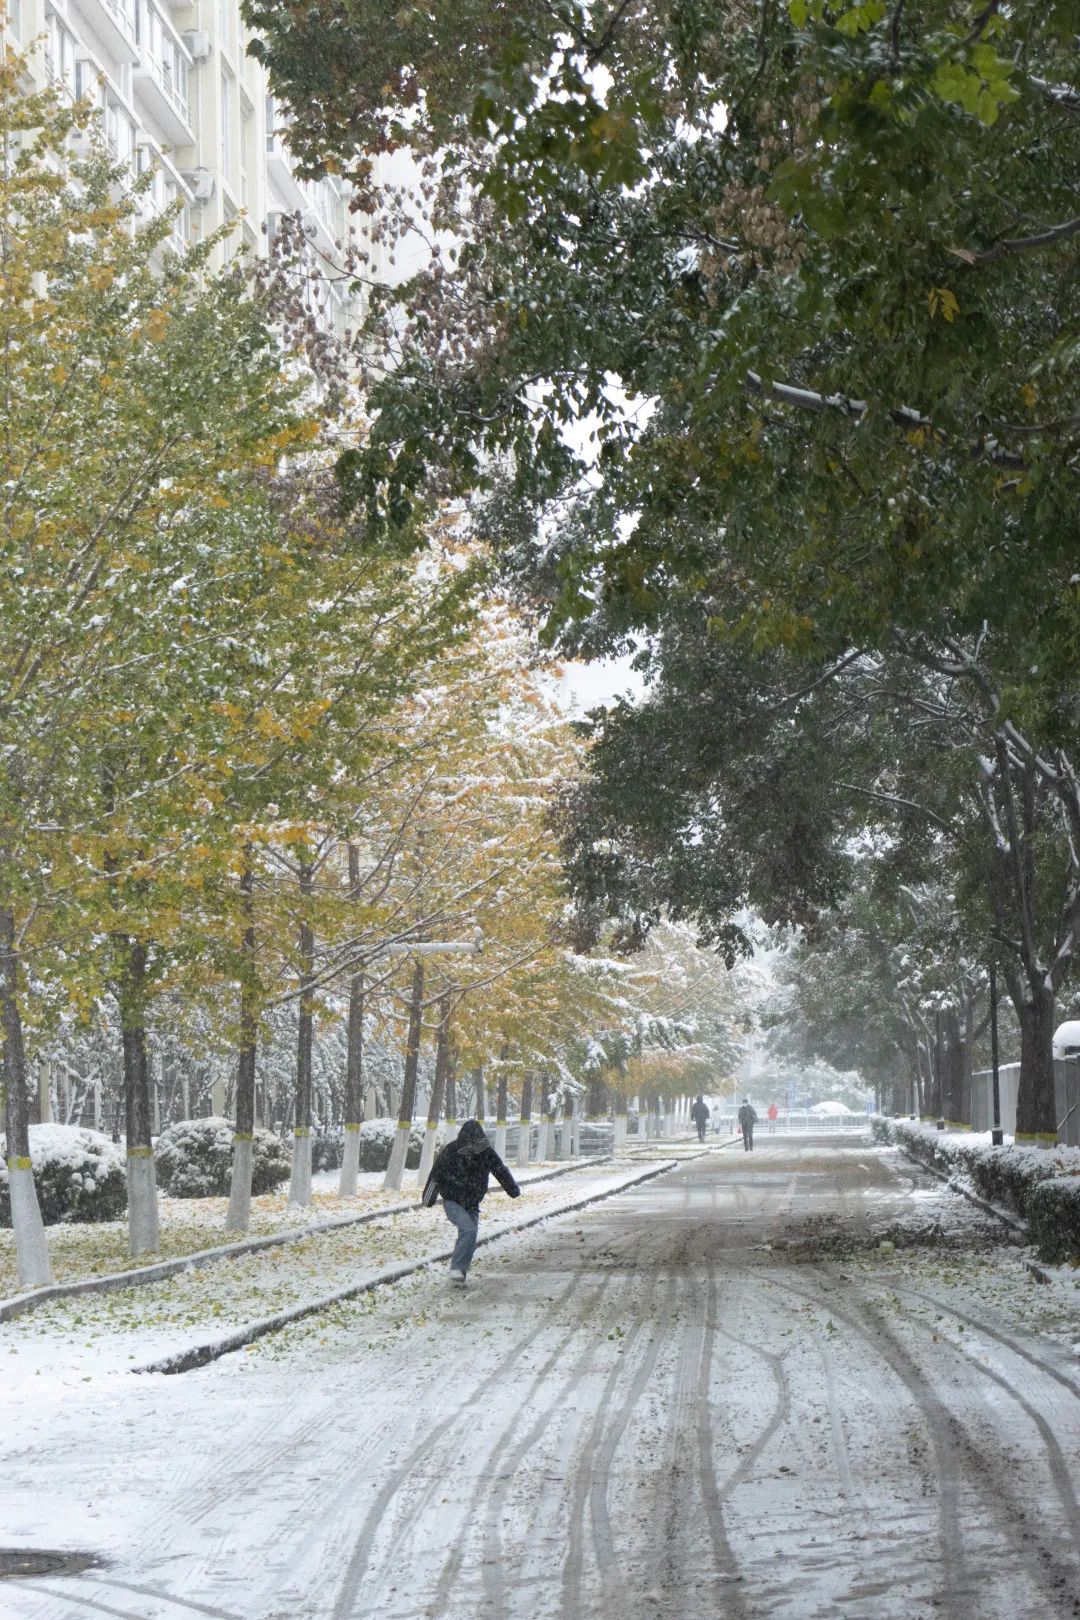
x,y
773,1114
747,1121
460,1173
700,1116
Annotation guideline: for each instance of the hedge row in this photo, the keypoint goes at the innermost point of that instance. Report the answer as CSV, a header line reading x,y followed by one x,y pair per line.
x,y
194,1159
80,1175
1042,1187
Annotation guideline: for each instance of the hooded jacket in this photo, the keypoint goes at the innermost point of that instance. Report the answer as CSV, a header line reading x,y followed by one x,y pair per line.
x,y
461,1169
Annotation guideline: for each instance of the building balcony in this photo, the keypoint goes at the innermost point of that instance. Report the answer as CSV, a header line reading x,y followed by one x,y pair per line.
x,y
280,175
114,24
162,89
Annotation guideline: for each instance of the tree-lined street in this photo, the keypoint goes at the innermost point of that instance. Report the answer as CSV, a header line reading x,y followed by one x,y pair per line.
x,y
712,1395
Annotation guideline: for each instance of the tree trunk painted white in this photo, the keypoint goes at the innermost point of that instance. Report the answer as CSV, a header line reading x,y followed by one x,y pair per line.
x,y
243,1151
350,1162
399,1152
143,1236
218,1095
542,1139
560,1138
501,1109
427,1154
44,1094
620,1131
354,1064
439,1088
300,1176
575,1135
525,1122
31,1246
243,1159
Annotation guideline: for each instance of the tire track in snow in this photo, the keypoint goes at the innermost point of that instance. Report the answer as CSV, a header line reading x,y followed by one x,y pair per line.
x,y
988,1478
493,1569
937,1420
1055,1457
1004,1339
360,1558
951,1437
490,1511
588,1482
98,1607
712,1496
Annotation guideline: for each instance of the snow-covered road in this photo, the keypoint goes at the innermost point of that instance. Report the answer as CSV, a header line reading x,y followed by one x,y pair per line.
x,y
709,1396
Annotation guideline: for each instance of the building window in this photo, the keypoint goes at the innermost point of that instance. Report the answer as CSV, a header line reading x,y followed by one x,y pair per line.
x,y
89,84
226,133
60,54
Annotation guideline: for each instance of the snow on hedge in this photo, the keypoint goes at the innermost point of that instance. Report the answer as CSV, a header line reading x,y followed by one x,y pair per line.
x,y
79,1175
377,1138
1042,1185
194,1159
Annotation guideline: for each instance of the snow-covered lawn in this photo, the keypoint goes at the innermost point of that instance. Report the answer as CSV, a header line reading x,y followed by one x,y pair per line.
x,y
190,1224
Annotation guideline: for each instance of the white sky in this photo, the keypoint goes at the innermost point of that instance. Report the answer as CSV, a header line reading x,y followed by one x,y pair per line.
x,y
588,686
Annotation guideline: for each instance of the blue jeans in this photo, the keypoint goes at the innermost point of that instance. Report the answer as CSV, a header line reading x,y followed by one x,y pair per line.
x,y
468,1226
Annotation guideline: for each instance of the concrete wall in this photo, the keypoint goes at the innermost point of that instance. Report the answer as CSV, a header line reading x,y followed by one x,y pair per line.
x,y
982,1098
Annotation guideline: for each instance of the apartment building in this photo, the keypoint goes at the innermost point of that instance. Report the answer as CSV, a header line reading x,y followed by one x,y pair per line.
x,y
178,94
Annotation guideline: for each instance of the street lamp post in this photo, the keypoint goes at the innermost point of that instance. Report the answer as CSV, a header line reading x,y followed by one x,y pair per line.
x,y
997,1135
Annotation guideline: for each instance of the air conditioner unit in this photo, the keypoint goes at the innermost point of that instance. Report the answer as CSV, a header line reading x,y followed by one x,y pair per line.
x,y
198,43
201,184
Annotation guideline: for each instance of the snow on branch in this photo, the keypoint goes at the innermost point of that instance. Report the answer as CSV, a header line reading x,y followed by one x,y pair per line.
x,y
903,416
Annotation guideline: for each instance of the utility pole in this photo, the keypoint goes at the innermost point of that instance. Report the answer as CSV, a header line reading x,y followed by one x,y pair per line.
x,y
997,1135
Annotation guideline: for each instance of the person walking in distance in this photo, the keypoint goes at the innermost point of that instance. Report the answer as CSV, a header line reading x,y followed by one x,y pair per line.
x,y
747,1121
460,1174
700,1116
772,1114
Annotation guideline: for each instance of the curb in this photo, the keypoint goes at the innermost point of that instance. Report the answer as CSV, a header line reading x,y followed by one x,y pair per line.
x,y
161,1269
200,1355
953,1182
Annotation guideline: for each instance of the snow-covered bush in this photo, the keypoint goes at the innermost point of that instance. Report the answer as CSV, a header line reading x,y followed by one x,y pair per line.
x,y
1007,1176
932,1147
79,1175
1040,1185
194,1159
327,1149
377,1138
1054,1218
881,1129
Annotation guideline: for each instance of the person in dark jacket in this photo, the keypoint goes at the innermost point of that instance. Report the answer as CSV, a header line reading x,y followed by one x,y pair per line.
x,y
700,1116
747,1121
460,1172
